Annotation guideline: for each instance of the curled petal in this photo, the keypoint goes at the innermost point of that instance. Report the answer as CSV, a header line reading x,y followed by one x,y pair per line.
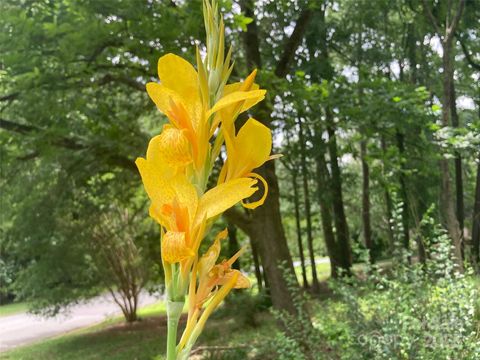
x,y
174,248
156,214
257,203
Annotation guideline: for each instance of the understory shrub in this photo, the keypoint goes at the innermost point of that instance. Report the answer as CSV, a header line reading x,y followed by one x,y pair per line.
x,y
421,311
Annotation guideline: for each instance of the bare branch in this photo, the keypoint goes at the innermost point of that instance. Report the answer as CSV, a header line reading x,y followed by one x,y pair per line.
x,y
9,97
15,127
241,220
432,18
467,54
122,79
293,43
451,29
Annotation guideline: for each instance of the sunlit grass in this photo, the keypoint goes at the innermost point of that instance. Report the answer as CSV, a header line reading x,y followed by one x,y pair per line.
x,y
116,340
15,308
323,271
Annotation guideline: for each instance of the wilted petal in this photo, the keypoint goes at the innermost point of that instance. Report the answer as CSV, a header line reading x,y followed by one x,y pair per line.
x,y
208,260
242,282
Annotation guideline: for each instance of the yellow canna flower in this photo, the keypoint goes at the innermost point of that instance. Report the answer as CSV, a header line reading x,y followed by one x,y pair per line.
x,y
176,204
202,109
179,98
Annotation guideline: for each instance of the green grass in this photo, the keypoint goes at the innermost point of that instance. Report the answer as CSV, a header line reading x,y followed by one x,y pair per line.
x,y
144,340
15,308
323,271
157,309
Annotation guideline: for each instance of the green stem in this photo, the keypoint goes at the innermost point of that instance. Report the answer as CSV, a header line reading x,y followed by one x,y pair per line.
x,y
174,310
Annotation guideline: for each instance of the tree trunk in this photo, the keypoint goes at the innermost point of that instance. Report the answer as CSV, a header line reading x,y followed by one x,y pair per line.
x,y
476,214
308,215
388,198
266,225
476,222
447,201
340,220
233,245
299,229
458,170
448,206
367,229
256,264
403,191
343,248
324,199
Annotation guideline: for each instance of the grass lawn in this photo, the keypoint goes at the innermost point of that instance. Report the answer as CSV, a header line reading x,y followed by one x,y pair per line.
x,y
323,271
11,309
140,341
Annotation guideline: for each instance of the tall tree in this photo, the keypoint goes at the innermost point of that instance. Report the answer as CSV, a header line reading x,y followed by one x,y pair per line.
x,y
306,196
267,225
453,14
340,219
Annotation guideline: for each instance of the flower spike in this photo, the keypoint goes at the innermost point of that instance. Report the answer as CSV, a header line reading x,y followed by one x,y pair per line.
x,y
201,107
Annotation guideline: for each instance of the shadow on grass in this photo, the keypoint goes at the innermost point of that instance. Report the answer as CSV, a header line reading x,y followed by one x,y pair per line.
x,y
142,340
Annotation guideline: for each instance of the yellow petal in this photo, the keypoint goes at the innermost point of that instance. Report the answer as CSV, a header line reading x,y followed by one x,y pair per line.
x,y
255,204
236,256
178,75
235,98
216,300
171,147
185,194
164,189
246,85
253,144
163,96
156,215
242,282
224,196
154,180
207,261
174,248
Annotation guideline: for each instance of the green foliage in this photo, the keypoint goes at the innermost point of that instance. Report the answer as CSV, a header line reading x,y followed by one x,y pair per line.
x,y
297,338
418,312
244,306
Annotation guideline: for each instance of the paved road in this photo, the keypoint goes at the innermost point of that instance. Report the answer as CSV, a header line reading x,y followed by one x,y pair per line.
x,y
324,260
23,329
